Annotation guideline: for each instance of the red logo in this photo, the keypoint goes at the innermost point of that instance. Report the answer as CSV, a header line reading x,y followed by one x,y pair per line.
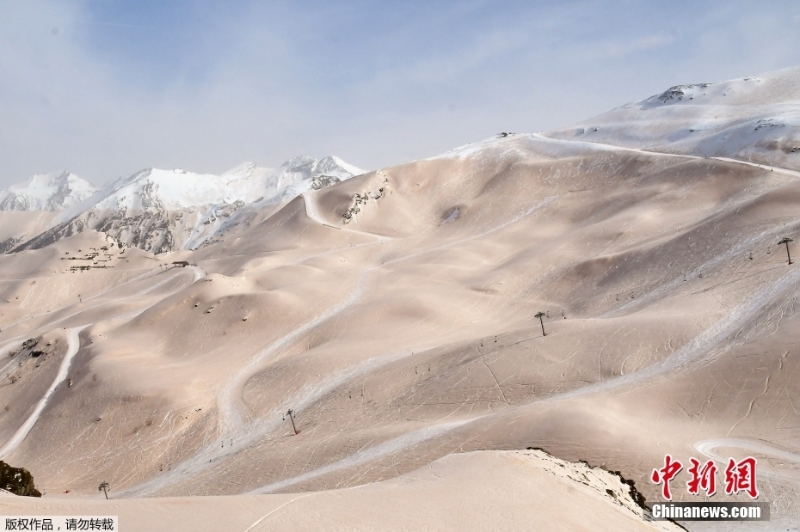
x,y
665,474
739,477
704,478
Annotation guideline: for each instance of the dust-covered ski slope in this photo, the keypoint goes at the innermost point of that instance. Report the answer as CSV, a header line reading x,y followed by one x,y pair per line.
x,y
235,420
236,423
95,302
73,345
246,433
232,408
98,300
699,347
779,170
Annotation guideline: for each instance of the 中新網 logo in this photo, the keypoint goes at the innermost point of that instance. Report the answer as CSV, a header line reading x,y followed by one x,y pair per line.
x,y
739,477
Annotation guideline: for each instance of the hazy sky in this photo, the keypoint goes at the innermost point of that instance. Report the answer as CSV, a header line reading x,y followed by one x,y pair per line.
x,y
105,88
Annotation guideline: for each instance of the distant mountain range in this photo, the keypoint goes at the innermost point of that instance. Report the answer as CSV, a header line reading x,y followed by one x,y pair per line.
x,y
162,210
46,192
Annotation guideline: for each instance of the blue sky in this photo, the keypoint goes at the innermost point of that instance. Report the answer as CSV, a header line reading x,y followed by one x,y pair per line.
x,y
104,88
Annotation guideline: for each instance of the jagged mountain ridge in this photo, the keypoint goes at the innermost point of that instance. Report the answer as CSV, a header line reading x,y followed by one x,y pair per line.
x,y
55,191
162,210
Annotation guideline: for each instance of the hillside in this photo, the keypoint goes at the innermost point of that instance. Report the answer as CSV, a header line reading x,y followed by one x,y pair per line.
x,y
756,119
395,314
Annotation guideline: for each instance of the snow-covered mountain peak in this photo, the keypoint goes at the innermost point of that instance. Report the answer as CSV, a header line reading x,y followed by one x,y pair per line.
x,y
734,92
157,189
299,174
754,118
244,170
307,167
55,191
161,210
332,163
154,189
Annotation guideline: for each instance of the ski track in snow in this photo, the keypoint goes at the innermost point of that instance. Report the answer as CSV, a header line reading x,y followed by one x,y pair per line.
x,y
778,169
248,433
701,344
766,167
233,413
231,404
669,287
74,345
708,449
199,273
527,212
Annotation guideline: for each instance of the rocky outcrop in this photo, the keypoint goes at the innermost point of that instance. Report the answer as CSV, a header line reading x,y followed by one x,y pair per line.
x,y
18,481
678,92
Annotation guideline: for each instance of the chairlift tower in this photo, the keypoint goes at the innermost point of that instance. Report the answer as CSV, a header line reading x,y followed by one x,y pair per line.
x,y
786,240
290,413
541,315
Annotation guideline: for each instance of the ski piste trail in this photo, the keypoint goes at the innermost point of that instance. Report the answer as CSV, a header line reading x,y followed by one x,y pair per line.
x,y
778,169
13,342
73,345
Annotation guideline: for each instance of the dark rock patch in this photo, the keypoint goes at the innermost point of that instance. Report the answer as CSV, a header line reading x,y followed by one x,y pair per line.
x,y
18,481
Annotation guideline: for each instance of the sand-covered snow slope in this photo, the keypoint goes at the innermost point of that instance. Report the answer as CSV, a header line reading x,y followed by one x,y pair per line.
x,y
482,490
395,314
